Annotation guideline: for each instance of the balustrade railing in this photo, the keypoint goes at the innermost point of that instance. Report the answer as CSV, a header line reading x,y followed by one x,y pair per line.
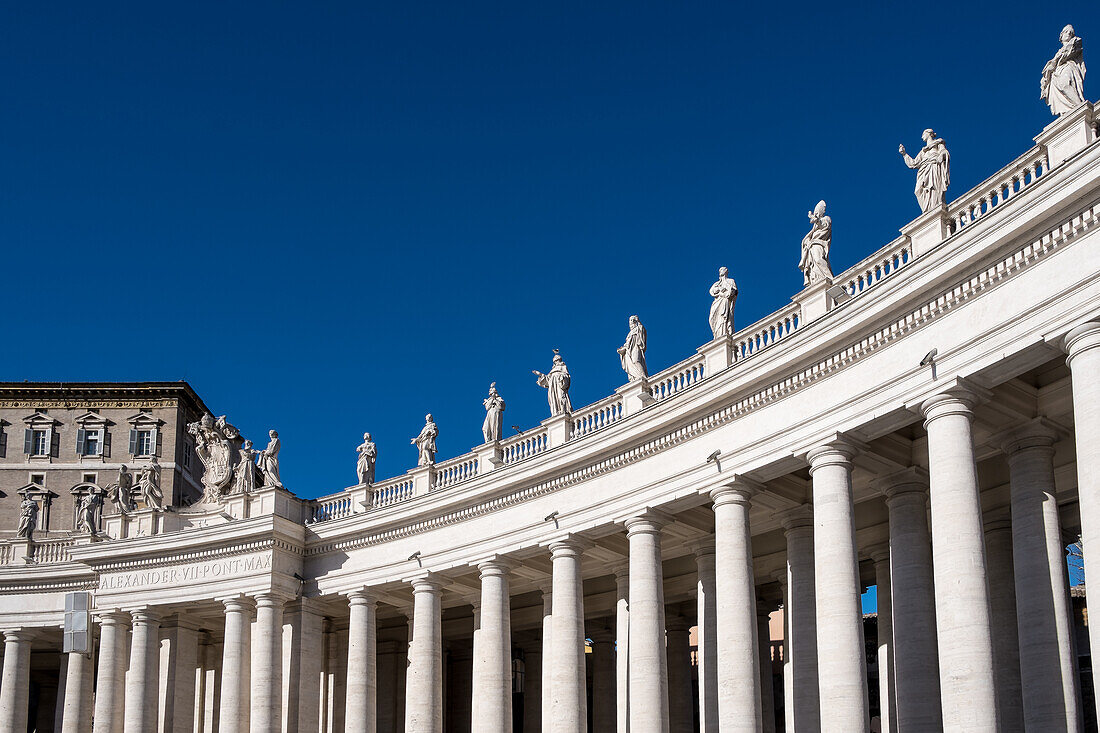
x,y
524,445
676,378
51,550
391,492
997,189
454,471
767,331
335,506
607,411
5,554
891,258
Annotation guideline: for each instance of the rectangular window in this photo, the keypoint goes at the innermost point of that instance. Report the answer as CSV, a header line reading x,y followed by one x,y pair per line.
x,y
38,478
92,443
145,443
40,443
89,478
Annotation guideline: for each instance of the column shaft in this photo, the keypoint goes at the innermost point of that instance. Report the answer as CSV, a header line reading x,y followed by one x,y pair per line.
x,y
802,708
142,683
77,703
603,682
767,688
424,686
568,683
885,641
110,688
707,637
648,664
547,691
1006,641
362,687
15,684
681,705
622,649
493,652
234,711
532,687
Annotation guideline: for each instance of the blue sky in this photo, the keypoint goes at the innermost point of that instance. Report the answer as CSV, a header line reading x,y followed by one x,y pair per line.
x,y
335,218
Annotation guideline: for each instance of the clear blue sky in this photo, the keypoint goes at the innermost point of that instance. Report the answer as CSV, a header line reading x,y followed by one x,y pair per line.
x,y
332,218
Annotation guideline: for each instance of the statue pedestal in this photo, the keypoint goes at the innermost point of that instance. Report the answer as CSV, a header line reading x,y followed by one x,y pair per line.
x,y
22,551
277,500
717,355
1068,135
235,505
423,477
557,429
361,497
636,396
489,457
814,301
928,230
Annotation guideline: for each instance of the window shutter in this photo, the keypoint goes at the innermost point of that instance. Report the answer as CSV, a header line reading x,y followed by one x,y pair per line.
x,y
133,442
3,444
156,442
52,446
28,441
106,449
81,435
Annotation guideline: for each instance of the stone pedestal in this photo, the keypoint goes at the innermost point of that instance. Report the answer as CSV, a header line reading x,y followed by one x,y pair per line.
x,y
489,457
361,498
22,551
275,500
236,506
928,230
1068,135
423,477
557,429
815,300
717,355
636,396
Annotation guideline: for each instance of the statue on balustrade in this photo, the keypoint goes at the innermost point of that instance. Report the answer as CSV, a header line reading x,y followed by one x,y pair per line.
x,y
493,425
425,442
1063,82
724,293
632,353
557,385
933,165
244,475
89,508
214,440
28,518
149,485
368,456
121,492
815,247
269,460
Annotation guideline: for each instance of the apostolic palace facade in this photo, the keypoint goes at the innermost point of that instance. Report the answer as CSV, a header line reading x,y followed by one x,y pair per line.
x,y
925,421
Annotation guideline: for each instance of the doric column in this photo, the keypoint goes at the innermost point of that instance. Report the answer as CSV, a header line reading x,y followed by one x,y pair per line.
x,y
469,708
16,683
622,647
788,688
391,669
967,688
233,713
76,704
304,663
459,685
110,687
648,664
267,664
424,688
532,687
547,685
1002,604
841,656
179,642
1048,669
1082,345
681,702
568,693
802,707
706,636
603,681
764,640
493,651
913,602
362,686
738,663
880,556
144,678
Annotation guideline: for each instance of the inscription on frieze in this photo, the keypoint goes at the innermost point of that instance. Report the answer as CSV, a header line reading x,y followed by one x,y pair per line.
x,y
182,574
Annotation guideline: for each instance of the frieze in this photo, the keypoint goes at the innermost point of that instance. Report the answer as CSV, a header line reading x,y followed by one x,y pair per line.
x,y
85,404
195,572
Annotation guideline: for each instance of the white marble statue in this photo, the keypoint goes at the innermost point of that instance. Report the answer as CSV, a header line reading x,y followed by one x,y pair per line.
x,y
557,386
933,165
269,460
425,442
212,444
815,247
86,518
28,519
632,353
368,456
494,415
121,492
244,475
149,485
724,292
1063,82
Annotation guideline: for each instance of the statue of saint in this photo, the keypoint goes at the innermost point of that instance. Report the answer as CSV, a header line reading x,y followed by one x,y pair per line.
x,y
557,386
244,475
28,518
121,492
1063,82
89,506
494,415
149,485
933,164
269,460
368,456
632,353
724,293
815,247
425,442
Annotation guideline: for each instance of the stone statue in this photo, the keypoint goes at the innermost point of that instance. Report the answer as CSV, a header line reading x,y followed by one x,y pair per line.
x,y
28,519
815,247
1063,82
632,353
933,164
149,485
244,475
724,293
269,460
212,444
425,442
368,456
557,385
494,415
86,519
121,492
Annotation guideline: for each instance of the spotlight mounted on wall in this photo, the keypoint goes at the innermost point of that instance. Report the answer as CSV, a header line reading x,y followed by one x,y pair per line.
x,y
416,556
713,458
930,360
552,515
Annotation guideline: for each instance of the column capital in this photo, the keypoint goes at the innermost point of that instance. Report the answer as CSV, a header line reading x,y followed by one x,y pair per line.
x,y
145,616
702,548
838,450
568,545
1037,433
497,565
621,569
959,397
737,490
361,597
1081,339
112,617
649,521
879,553
780,576
428,582
800,517
238,604
999,518
20,635
270,599
906,481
